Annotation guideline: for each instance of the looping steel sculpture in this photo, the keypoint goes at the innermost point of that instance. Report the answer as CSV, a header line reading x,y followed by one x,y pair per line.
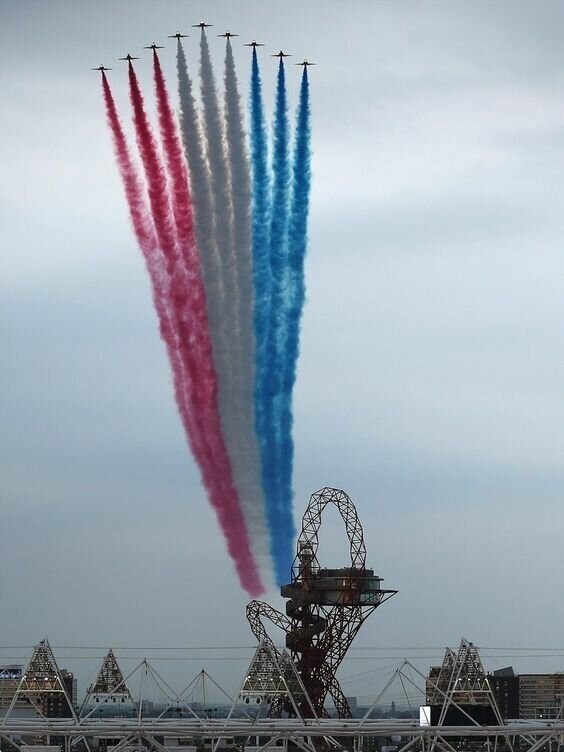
x,y
311,523
255,611
325,607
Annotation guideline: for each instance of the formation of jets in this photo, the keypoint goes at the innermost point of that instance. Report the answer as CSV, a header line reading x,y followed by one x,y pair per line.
x,y
203,25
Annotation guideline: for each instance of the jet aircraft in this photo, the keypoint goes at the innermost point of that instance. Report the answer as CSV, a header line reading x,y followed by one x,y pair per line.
x,y
280,55
201,25
306,63
153,47
228,35
178,35
254,44
129,58
101,68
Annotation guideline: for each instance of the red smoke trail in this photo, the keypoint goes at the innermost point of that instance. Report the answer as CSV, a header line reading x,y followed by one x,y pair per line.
x,y
187,297
145,234
174,154
186,242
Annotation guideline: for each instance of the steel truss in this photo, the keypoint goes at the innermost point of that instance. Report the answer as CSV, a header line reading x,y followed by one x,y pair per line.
x,y
109,683
532,736
41,679
156,734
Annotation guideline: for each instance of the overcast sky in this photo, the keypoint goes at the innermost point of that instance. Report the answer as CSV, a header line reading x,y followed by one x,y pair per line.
x,y
431,381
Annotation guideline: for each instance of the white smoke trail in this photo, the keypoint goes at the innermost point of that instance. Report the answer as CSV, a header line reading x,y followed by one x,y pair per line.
x,y
240,191
221,203
213,216
203,213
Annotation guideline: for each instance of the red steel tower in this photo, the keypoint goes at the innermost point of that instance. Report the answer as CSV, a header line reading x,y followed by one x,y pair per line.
x,y
325,607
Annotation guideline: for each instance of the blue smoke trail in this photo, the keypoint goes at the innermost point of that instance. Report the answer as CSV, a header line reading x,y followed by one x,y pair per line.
x,y
262,283
262,276
295,287
271,374
269,250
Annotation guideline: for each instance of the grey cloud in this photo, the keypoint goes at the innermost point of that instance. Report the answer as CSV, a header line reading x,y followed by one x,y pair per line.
x,y
430,382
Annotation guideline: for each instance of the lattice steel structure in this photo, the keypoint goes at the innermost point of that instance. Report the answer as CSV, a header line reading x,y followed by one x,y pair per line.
x,y
41,674
164,732
42,686
325,608
462,680
109,678
109,685
272,678
158,734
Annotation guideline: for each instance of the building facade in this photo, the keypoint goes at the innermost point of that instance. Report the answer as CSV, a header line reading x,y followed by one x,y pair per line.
x,y
505,687
541,696
517,696
10,677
